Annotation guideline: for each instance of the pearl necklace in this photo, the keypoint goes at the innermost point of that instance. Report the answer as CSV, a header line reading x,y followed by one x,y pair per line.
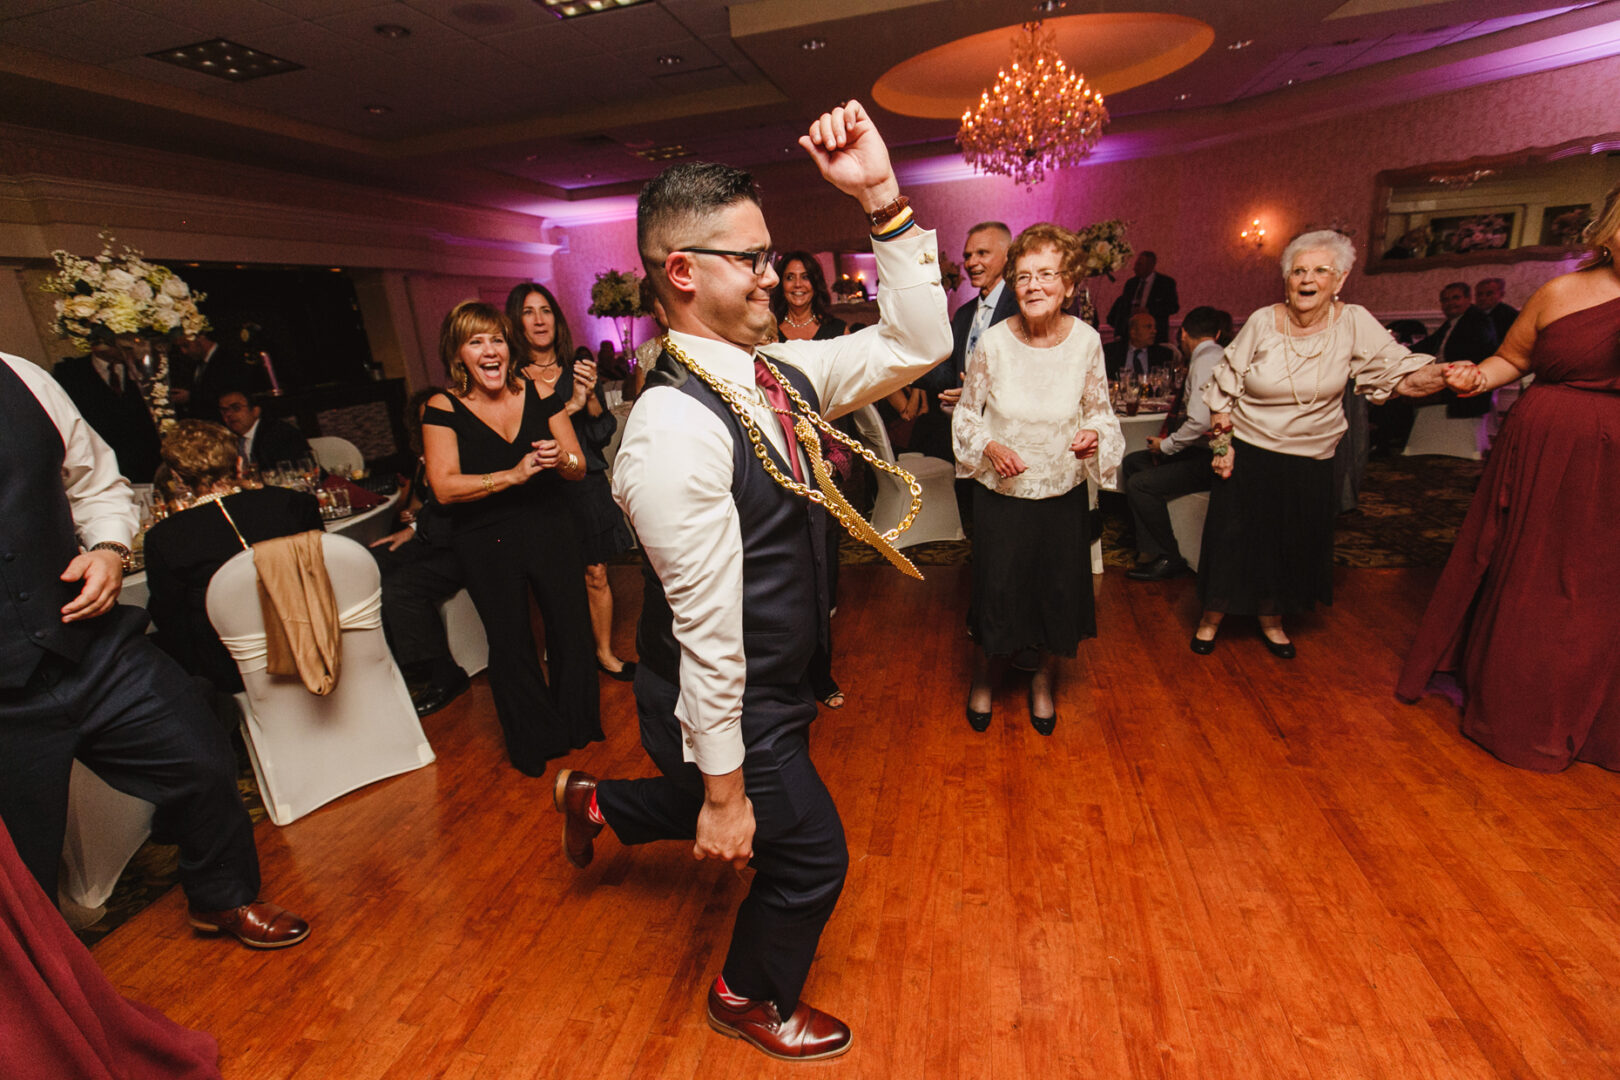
x,y
1290,350
788,320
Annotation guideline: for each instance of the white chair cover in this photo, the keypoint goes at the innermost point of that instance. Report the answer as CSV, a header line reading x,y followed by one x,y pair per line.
x,y
336,455
105,828
1187,513
469,646
937,519
1433,432
308,750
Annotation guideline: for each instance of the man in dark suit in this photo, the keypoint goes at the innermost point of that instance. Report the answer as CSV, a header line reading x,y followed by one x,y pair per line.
x,y
1466,334
984,259
104,389
1136,352
263,442
1149,291
1488,298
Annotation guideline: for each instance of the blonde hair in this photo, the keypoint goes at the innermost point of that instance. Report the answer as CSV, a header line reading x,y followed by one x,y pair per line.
x,y
466,319
1603,230
1039,237
200,452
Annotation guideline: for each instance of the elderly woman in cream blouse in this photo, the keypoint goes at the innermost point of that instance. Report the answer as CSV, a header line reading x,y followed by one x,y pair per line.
x,y
1033,425
1277,414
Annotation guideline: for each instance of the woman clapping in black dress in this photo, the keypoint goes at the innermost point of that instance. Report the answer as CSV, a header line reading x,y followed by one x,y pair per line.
x,y
497,454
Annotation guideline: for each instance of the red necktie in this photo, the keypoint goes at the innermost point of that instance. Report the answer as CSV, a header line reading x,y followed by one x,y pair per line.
x,y
777,398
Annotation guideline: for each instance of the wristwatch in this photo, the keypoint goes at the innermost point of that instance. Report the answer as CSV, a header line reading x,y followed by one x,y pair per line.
x,y
126,559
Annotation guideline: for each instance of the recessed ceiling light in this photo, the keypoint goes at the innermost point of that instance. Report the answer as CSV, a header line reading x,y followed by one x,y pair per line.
x,y
378,110
392,30
670,60
531,157
1050,7
813,44
1290,82
1183,97
588,176
1242,43
573,9
663,153
225,60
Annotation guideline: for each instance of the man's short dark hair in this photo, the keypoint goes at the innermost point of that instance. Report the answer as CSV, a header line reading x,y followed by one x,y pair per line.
x,y
1467,290
992,226
1202,322
675,203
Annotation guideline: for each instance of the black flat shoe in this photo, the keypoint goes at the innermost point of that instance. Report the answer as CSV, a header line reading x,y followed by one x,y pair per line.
x,y
627,673
979,721
1161,569
1202,647
1282,651
1042,724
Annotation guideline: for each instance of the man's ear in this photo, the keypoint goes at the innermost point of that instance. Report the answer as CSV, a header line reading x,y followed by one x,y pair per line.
x,y
679,268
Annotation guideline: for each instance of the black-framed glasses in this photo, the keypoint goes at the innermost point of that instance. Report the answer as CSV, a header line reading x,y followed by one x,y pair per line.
x,y
759,259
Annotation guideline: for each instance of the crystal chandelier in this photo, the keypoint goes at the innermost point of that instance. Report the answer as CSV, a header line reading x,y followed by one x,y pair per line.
x,y
1039,115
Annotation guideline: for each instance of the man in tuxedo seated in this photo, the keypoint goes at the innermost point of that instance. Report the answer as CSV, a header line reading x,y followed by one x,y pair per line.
x,y
1177,461
1467,334
104,389
1136,352
984,260
1149,291
1488,293
262,442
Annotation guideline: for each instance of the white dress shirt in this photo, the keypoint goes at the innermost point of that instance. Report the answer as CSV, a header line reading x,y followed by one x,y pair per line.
x,y
982,316
673,474
102,501
1200,369
245,442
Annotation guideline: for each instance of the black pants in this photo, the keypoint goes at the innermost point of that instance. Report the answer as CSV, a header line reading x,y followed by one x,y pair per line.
x,y
799,854
502,563
135,718
416,578
1150,482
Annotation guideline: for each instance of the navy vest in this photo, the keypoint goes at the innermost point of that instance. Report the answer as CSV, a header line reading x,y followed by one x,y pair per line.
x,y
784,540
36,537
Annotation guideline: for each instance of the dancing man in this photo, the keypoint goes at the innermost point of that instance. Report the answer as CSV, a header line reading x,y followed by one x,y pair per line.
x,y
715,481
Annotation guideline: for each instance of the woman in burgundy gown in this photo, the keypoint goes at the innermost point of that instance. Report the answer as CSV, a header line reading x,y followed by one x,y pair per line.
x,y
1523,625
60,1017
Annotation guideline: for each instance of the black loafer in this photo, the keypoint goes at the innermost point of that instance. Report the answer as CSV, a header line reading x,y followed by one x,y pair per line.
x,y
979,721
1283,651
1161,569
1202,647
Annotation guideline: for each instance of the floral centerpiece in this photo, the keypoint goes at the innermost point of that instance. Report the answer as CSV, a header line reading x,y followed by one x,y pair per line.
x,y
616,295
121,301
1103,252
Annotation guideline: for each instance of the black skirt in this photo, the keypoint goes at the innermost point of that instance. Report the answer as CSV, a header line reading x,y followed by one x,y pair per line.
x,y
1031,573
1268,536
603,532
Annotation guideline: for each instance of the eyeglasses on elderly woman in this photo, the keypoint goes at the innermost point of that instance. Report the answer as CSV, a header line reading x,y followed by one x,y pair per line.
x,y
1044,277
1300,273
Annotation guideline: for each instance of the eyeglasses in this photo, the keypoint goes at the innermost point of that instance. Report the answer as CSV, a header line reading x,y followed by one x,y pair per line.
x,y
1300,273
1045,277
759,259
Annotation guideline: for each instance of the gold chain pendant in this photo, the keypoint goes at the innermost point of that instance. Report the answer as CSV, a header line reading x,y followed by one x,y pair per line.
x,y
804,426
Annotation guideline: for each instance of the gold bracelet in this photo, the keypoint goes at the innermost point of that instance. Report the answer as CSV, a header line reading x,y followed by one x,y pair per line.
x,y
572,461
489,485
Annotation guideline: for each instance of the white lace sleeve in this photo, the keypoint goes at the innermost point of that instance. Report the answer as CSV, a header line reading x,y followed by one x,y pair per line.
x,y
969,435
1097,413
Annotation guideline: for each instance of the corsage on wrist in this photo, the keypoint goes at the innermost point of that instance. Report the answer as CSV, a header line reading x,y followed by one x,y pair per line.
x,y
1221,445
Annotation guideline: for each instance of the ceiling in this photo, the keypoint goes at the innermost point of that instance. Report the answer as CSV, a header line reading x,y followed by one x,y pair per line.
x,y
499,103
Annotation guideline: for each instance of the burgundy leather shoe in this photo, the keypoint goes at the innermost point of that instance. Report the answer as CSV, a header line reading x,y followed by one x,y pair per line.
x,y
259,925
808,1035
572,797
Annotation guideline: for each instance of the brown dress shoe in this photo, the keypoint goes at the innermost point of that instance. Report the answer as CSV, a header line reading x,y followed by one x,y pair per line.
x,y
259,925
808,1035
572,797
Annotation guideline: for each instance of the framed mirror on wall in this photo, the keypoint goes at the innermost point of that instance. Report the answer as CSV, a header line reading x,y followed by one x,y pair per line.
x,y
1528,205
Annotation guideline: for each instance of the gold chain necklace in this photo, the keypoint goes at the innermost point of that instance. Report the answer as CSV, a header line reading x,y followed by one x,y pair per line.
x,y
804,427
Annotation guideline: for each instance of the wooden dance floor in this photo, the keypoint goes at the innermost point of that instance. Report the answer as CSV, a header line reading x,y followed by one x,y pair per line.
x,y
1230,866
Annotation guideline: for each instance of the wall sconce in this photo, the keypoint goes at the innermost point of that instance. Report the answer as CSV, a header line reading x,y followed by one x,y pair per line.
x,y
1254,235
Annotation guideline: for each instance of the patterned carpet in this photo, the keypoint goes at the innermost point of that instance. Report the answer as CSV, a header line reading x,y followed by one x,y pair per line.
x,y
1409,514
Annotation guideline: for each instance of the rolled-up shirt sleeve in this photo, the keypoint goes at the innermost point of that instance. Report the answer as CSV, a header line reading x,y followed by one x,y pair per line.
x,y
673,478
101,499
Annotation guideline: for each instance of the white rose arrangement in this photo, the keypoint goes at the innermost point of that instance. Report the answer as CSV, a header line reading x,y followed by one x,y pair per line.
x,y
1103,248
116,295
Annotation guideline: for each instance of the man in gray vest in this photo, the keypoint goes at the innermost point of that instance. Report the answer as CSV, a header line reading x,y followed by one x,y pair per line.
x,y
78,679
713,479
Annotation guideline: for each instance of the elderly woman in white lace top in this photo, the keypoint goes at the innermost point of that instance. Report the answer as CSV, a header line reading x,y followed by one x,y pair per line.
x,y
1277,405
1034,424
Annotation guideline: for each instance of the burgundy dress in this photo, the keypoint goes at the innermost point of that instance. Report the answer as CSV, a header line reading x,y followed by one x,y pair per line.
x,y
60,1019
1523,625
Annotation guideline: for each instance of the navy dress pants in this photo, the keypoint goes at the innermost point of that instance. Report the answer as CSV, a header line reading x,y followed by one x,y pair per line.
x,y
136,719
800,859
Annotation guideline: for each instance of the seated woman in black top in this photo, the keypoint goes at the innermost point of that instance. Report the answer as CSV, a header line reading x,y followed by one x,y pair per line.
x,y
183,551
497,456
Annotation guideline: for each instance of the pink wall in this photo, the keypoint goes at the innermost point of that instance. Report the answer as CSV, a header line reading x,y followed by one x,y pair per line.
x,y
1190,207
